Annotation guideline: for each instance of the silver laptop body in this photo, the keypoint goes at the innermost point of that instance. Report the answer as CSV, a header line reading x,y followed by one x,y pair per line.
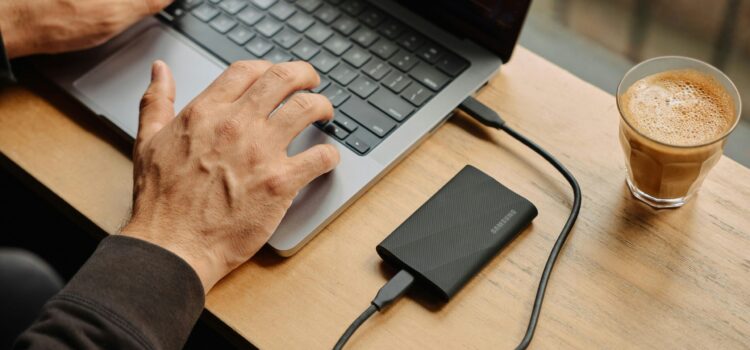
x,y
110,80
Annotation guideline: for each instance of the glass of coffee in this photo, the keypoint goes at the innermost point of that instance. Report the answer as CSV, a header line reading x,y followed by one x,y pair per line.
x,y
675,116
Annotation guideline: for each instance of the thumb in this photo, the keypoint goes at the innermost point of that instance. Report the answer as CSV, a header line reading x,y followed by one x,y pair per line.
x,y
157,104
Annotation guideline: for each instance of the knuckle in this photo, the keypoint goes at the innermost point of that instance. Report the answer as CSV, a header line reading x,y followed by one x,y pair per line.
x,y
148,98
245,67
328,155
228,128
254,153
304,102
190,113
282,72
277,183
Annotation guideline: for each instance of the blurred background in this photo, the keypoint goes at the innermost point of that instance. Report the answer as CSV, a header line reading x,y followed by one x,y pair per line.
x,y
599,40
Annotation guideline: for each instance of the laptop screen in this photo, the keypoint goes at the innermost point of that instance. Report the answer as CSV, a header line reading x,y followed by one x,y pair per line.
x,y
494,24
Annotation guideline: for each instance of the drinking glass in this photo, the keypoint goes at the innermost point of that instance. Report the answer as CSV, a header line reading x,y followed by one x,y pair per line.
x,y
665,175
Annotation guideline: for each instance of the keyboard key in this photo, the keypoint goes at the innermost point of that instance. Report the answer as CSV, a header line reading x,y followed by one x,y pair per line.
x,y
324,82
324,62
305,50
430,52
268,26
346,123
365,136
396,81
452,64
337,45
416,94
319,33
300,22
250,16
358,144
206,12
336,94
259,46
264,4
345,25
384,49
357,56
327,14
372,17
429,76
223,24
364,37
172,11
411,41
309,5
282,10
353,7
391,29
337,131
376,69
241,35
278,56
391,104
363,87
219,44
188,4
233,6
286,38
343,74
404,61
214,1
370,117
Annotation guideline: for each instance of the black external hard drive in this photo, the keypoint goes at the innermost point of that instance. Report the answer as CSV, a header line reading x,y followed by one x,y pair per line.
x,y
452,236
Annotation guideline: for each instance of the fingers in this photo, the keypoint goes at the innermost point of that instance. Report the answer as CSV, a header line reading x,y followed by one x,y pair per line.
x,y
299,111
157,104
235,80
310,164
278,82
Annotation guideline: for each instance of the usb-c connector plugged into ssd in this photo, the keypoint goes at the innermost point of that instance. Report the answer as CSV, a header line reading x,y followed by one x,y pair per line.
x,y
457,231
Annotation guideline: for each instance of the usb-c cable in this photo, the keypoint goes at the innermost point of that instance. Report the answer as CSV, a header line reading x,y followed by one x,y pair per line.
x,y
401,282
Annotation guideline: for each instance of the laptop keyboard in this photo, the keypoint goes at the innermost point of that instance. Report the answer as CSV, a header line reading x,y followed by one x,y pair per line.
x,y
375,70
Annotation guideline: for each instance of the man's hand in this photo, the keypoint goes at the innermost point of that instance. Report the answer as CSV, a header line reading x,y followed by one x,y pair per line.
x,y
51,26
213,184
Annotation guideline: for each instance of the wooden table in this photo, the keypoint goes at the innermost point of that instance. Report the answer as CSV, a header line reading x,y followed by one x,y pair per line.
x,y
629,277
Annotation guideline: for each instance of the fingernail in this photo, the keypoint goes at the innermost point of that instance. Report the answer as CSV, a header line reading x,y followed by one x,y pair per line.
x,y
156,69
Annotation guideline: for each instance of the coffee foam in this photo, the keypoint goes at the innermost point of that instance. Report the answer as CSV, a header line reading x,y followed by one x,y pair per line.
x,y
678,107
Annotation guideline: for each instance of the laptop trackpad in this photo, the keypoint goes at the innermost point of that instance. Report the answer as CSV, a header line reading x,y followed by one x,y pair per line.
x,y
116,85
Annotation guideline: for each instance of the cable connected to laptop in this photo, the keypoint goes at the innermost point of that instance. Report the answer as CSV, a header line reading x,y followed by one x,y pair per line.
x,y
401,282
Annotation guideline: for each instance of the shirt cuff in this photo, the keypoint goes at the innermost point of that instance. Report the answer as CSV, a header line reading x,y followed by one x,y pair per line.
x,y
153,290
6,73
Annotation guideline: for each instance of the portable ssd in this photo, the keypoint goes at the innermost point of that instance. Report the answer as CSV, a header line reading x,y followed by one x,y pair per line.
x,y
457,231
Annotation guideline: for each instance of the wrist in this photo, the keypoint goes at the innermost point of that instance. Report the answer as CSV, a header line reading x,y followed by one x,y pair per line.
x,y
200,260
13,21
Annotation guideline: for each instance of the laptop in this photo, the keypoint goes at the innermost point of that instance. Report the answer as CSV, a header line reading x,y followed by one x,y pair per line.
x,y
394,71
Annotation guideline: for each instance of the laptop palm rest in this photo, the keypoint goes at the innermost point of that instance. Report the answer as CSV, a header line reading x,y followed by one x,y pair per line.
x,y
115,86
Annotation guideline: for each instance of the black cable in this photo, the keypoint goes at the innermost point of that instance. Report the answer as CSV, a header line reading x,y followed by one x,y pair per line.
x,y
354,326
398,285
390,292
488,117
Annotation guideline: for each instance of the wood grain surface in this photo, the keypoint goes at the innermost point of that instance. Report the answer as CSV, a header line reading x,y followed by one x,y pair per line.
x,y
629,277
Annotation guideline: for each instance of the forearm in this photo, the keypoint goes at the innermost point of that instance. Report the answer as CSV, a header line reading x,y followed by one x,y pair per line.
x,y
12,19
130,294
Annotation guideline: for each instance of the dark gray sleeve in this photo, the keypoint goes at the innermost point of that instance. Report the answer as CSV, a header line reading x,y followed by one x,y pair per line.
x,y
130,294
6,74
